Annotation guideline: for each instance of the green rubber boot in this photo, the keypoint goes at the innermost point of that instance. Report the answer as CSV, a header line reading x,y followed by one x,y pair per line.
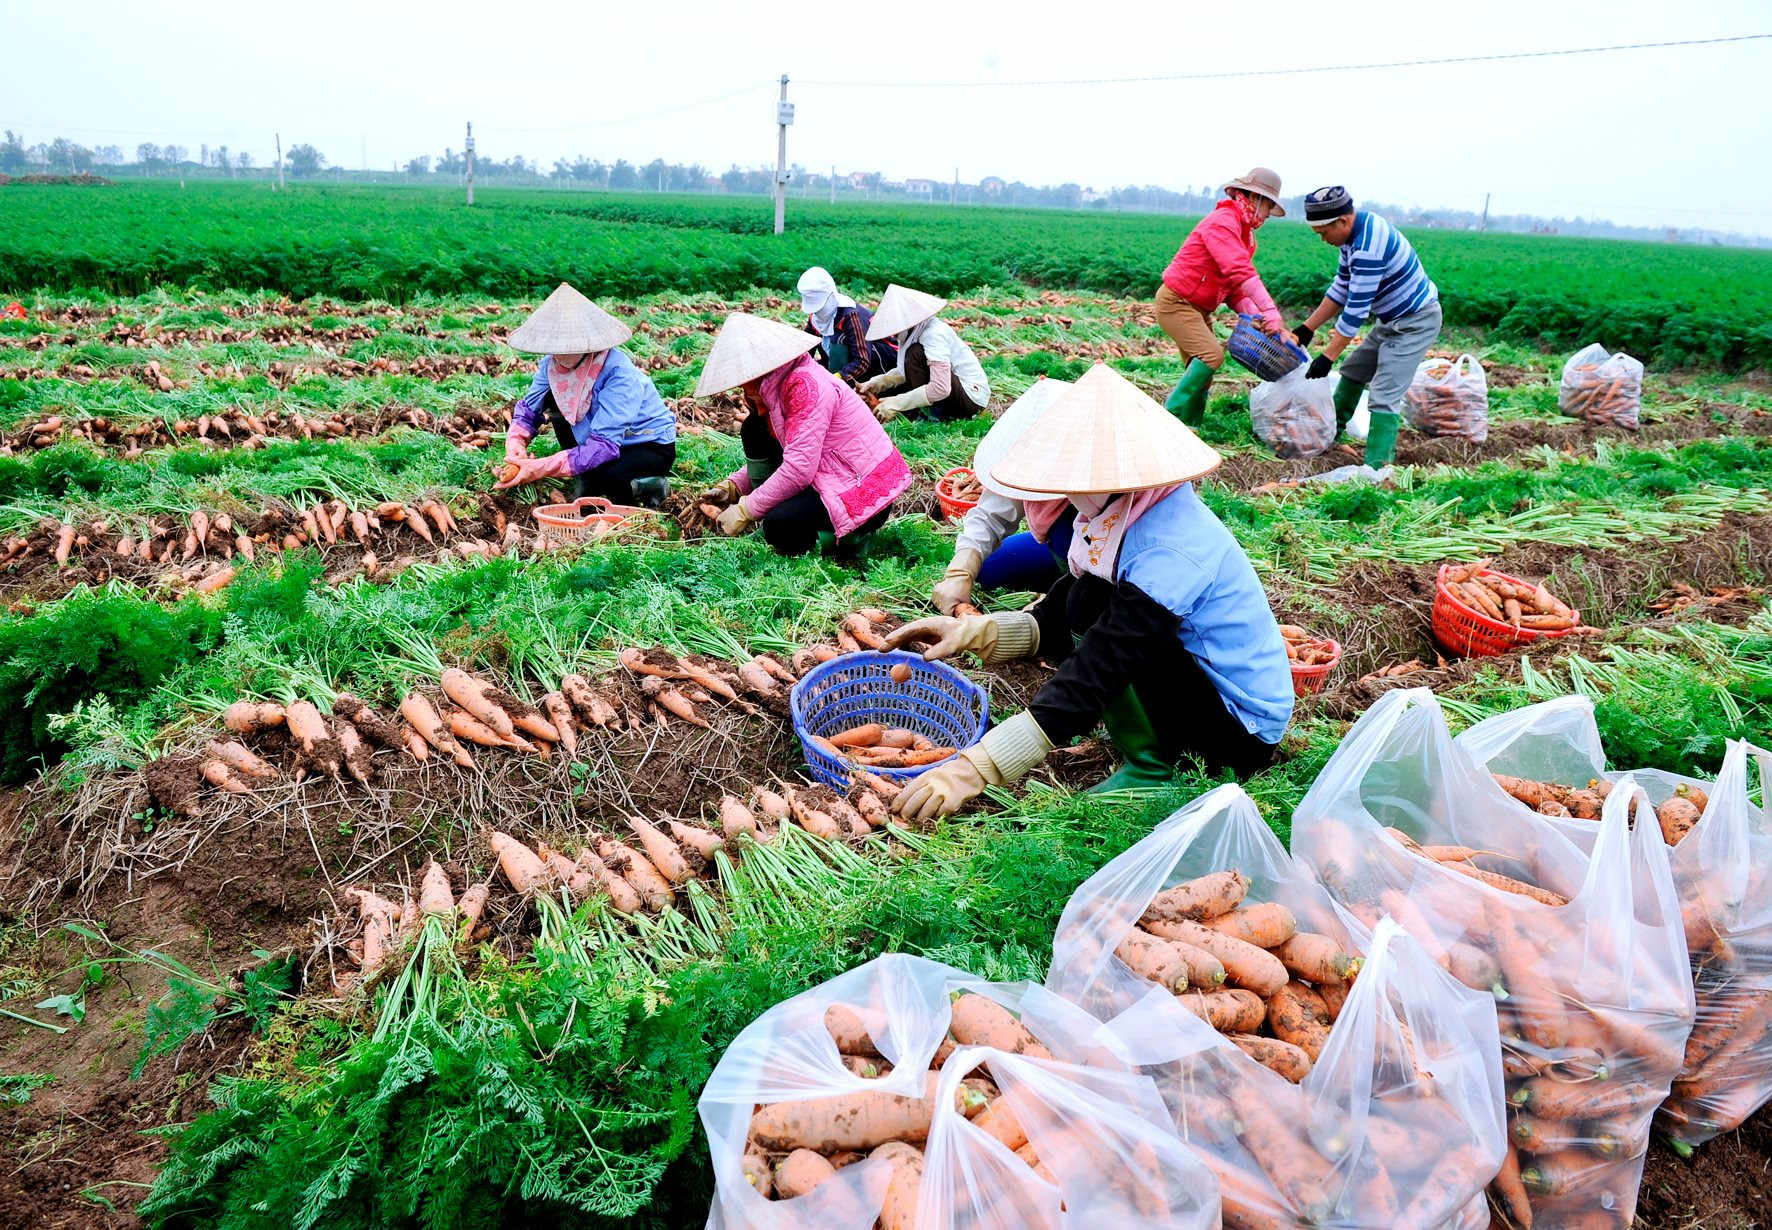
x,y
1381,441
1129,729
1347,400
650,492
1187,400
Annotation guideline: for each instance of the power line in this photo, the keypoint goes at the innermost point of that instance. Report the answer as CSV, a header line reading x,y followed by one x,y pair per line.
x,y
650,115
1285,72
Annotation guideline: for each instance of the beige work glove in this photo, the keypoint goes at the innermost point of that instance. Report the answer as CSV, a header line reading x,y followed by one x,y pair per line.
x,y
722,493
956,583
889,408
879,384
994,638
1005,754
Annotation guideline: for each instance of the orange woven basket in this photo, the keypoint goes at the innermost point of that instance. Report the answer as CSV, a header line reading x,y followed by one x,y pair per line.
x,y
951,504
586,519
1465,632
1308,679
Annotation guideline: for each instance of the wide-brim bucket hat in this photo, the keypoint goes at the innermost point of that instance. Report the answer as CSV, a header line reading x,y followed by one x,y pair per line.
x,y
1007,432
568,323
1262,182
902,308
1105,437
747,347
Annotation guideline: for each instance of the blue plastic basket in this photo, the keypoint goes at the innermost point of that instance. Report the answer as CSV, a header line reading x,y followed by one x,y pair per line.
x,y
1267,356
936,701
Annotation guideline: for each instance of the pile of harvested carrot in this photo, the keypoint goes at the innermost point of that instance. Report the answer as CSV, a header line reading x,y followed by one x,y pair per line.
x,y
1303,649
874,746
1532,607
1246,970
1676,814
385,929
962,485
1602,398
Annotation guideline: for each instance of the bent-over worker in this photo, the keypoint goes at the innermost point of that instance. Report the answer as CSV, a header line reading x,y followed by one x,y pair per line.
x,y
1216,266
841,325
1160,628
617,438
936,370
818,469
1378,277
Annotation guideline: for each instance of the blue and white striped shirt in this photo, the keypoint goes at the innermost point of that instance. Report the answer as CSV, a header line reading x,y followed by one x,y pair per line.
x,y
1379,275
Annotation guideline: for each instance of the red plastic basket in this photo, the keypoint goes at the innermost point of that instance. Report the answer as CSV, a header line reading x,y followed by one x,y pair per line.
x,y
1467,633
1308,679
952,505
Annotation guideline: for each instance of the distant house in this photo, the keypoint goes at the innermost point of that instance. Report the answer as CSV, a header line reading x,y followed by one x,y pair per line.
x,y
919,187
990,185
858,179
714,183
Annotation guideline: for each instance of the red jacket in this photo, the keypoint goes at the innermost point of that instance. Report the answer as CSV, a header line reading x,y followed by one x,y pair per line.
x,y
1216,265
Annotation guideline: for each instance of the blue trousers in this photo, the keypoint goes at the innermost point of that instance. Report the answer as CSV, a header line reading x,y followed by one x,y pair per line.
x,y
1023,562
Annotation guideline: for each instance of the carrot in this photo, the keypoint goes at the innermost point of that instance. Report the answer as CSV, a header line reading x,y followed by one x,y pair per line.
x,y
1507,884
440,516
704,842
360,527
999,1122
863,1120
621,894
1550,807
665,854
871,808
887,791
1475,968
849,1032
1153,960
1227,1010
473,904
416,747
1265,926
252,717
1334,996
219,579
775,668
771,804
218,774
758,680
310,732
434,896
799,1172
1695,795
757,1171
976,1020
357,758
1529,792
862,629
638,871
1285,1152
463,725
64,543
1677,816
899,1212
1206,897
521,866
1244,964
422,716
560,717
1554,1175
1315,958
420,526
736,818
818,823
469,693
858,736
668,699
1287,1060
1297,1014
240,760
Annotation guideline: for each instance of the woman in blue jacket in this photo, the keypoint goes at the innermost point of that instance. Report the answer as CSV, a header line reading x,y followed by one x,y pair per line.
x,y
617,438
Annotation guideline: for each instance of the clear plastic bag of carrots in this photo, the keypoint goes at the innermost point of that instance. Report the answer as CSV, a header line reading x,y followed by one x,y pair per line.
x,y
1581,946
1293,416
1306,1079
1602,388
907,1093
1720,849
1449,397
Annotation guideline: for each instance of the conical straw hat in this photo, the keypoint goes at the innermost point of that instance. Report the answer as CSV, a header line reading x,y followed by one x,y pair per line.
x,y
1104,437
747,347
1022,414
902,308
568,323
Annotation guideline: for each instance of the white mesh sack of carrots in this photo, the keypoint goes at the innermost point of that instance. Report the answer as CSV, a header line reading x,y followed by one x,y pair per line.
x,y
1604,389
1293,416
1549,757
1583,950
906,1093
1304,1080
1449,397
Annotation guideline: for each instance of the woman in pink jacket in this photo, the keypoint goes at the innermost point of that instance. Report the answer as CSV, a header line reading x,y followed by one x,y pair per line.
x,y
1216,266
817,465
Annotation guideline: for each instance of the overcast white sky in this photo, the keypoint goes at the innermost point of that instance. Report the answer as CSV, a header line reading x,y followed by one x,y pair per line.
x,y
1663,137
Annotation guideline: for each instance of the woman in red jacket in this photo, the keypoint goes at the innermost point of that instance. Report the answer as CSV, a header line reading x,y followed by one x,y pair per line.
x,y
1216,266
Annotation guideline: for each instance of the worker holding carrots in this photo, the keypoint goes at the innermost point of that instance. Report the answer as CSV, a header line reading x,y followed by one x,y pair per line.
x,y
989,551
818,469
841,326
617,438
1215,267
1379,277
1159,626
936,370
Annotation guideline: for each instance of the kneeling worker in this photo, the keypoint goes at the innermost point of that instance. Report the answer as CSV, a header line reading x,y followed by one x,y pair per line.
x,y
1160,627
936,371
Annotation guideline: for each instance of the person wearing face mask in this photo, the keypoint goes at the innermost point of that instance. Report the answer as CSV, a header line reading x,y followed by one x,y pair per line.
x,y
618,439
841,326
936,371
1159,627
1214,267
819,471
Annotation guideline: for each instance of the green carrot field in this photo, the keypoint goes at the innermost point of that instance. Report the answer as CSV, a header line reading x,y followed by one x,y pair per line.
x,y
183,1039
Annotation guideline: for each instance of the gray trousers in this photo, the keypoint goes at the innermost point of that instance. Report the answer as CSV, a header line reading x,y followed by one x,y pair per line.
x,y
1386,361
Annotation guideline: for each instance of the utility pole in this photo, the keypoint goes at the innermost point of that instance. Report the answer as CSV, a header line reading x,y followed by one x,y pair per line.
x,y
470,162
1485,223
784,115
279,137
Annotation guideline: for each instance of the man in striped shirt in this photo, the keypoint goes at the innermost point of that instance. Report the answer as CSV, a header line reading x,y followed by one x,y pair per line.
x,y
1379,277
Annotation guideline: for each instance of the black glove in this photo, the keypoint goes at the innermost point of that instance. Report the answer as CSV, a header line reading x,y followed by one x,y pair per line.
x,y
1319,367
1304,334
